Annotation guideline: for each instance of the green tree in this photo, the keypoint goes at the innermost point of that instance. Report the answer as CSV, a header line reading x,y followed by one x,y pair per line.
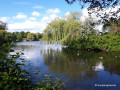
x,y
25,34
13,36
19,37
65,29
3,26
4,37
112,26
38,36
31,36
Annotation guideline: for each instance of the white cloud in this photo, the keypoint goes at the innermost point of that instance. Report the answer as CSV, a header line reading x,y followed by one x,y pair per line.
x,y
4,19
35,13
99,27
27,26
45,19
38,7
32,26
67,13
32,18
48,19
20,16
56,10
84,14
53,16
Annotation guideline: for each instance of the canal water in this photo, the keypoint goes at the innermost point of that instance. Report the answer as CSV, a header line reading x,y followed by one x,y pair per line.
x,y
77,69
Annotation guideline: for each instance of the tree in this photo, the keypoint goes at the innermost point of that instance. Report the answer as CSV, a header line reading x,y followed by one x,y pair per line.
x,y
22,34
112,26
4,36
3,26
38,36
19,37
98,6
65,29
13,36
31,36
25,34
89,25
96,3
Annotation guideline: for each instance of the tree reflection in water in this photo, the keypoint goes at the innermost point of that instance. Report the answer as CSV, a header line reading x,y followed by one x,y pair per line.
x,y
72,63
80,65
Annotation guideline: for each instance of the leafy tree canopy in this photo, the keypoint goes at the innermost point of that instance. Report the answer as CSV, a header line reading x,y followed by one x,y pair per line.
x,y
112,26
96,3
100,8
3,26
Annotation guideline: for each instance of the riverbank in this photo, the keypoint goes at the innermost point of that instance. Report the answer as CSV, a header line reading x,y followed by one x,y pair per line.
x,y
105,43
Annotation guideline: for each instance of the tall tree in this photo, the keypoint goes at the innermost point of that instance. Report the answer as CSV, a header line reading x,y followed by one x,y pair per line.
x,y
3,26
64,29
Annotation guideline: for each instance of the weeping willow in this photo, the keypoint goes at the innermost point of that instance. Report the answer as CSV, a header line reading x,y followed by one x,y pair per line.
x,y
65,29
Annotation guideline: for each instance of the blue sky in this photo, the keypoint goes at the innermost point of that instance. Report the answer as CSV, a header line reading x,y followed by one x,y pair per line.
x,y
33,15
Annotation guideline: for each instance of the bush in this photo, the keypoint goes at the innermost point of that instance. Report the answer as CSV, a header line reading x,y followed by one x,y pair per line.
x,y
105,42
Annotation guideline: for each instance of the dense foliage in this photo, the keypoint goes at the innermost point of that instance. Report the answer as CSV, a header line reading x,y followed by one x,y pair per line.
x,y
21,36
105,42
18,36
34,36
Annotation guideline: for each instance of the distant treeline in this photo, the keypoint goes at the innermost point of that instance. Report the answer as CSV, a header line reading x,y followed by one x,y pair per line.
x,y
20,36
16,36
71,31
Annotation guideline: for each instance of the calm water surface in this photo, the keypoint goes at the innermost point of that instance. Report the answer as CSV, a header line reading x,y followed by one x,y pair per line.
x,y
79,70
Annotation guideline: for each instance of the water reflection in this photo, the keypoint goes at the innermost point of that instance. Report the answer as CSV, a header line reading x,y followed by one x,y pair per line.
x,y
69,63
99,67
112,65
81,68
